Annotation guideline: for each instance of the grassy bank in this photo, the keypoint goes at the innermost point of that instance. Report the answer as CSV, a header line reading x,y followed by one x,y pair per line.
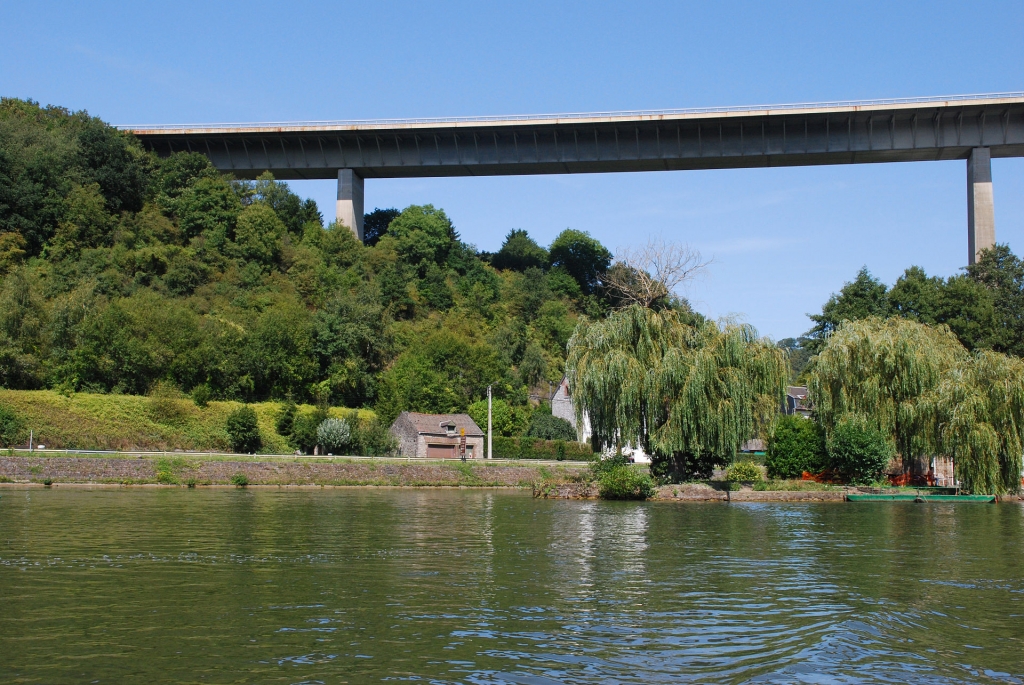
x,y
130,422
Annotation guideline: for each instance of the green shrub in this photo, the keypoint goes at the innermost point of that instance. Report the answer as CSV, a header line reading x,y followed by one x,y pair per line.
x,y
743,471
547,427
12,428
304,427
333,435
535,448
201,395
244,431
858,452
506,420
166,476
240,479
370,438
624,481
286,419
795,445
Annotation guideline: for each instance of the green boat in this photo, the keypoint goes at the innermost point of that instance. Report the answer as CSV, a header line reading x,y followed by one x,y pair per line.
x,y
900,497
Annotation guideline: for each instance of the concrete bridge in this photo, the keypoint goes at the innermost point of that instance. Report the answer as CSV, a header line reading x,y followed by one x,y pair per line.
x,y
974,128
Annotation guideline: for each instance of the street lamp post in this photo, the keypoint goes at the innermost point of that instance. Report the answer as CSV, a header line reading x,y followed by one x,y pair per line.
x,y
490,453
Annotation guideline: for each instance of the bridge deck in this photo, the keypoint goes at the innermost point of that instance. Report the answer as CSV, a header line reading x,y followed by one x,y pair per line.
x,y
906,130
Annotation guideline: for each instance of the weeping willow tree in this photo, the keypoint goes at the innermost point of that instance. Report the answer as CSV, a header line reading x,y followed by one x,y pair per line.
x,y
688,393
922,388
981,421
887,371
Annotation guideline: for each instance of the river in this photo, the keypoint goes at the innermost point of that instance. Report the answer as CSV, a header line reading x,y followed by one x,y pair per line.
x,y
478,586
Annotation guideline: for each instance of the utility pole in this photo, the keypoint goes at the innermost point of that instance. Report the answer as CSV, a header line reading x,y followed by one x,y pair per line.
x,y
490,454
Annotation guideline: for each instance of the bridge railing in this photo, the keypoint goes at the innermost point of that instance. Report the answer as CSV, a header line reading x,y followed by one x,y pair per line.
x,y
586,115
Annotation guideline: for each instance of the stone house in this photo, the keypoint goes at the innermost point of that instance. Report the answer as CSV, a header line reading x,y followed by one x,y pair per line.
x,y
438,436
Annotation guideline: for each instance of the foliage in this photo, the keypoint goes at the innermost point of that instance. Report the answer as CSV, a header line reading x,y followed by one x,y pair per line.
x,y
333,435
862,297
375,224
887,371
544,425
370,437
618,479
582,257
304,429
520,252
981,422
1002,275
201,395
285,422
927,395
243,430
857,451
506,420
240,480
688,393
744,471
535,448
120,270
984,307
795,445
127,422
12,428
799,352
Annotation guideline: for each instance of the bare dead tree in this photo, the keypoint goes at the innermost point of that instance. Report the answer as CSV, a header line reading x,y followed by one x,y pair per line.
x,y
652,272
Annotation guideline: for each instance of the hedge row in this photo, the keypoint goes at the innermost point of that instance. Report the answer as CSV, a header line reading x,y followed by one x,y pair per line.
x,y
535,448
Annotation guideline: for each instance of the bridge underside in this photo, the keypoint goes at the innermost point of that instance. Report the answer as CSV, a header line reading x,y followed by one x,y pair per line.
x,y
855,134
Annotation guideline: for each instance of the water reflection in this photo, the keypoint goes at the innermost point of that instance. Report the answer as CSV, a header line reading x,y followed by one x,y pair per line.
x,y
495,587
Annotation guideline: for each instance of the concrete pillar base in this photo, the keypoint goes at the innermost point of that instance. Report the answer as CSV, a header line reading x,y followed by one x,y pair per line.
x,y
350,201
981,218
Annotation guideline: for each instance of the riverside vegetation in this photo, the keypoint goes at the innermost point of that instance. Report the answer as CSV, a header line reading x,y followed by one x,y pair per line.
x,y
125,274
129,283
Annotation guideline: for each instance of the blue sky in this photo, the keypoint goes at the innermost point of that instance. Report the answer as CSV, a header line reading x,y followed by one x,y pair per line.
x,y
782,240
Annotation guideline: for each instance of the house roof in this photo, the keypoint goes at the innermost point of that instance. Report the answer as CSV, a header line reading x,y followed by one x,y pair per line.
x,y
434,423
797,391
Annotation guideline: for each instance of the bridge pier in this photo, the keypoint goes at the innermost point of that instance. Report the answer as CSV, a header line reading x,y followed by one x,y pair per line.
x,y
981,218
350,201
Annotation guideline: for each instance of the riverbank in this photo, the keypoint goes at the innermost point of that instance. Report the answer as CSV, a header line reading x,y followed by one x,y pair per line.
x,y
552,480
191,470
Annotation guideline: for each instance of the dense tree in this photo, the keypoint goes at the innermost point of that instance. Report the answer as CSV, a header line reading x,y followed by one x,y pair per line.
x,y
688,393
983,307
1002,274
121,271
928,395
520,252
862,297
582,257
799,353
375,224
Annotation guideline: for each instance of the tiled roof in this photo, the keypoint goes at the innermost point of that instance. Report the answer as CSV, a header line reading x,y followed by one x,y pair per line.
x,y
433,423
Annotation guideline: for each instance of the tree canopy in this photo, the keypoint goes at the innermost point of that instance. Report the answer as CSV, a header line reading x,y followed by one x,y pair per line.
x,y
928,394
689,392
121,270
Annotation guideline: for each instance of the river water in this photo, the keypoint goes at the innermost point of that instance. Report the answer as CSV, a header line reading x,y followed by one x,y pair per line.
x,y
475,586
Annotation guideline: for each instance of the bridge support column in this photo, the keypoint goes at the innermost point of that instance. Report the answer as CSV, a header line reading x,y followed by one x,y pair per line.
x,y
350,200
981,217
